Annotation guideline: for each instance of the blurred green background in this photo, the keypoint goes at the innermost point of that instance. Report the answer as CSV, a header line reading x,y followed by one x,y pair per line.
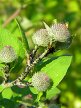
x,y
31,14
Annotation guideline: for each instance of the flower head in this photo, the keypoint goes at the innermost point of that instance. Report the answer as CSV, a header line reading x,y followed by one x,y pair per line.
x,y
7,54
41,81
41,38
60,32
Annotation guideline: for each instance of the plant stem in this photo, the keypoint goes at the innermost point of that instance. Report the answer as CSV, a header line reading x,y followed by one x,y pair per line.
x,y
40,57
28,69
14,15
7,74
33,54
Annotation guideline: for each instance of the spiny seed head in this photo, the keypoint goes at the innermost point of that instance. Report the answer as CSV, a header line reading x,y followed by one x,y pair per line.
x,y
41,38
41,81
7,54
61,32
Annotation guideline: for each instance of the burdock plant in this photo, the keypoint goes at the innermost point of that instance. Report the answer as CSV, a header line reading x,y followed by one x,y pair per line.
x,y
37,81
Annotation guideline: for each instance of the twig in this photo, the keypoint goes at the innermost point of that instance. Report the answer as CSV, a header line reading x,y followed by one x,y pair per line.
x,y
7,74
33,53
40,57
14,15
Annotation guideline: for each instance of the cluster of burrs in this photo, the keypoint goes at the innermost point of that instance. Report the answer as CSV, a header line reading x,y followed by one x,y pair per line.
x,y
57,33
56,36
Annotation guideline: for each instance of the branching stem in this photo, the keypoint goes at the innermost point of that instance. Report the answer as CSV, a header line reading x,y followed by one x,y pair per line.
x,y
28,69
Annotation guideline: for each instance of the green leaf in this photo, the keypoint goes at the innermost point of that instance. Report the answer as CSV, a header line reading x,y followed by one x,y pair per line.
x,y
7,93
49,32
1,88
25,41
57,68
13,28
2,73
7,103
6,38
52,92
33,90
2,65
48,29
39,96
